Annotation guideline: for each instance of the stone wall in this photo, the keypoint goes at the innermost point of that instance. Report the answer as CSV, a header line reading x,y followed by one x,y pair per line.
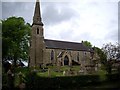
x,y
83,56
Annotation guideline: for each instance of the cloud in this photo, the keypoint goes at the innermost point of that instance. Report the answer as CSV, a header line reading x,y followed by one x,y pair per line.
x,y
22,9
60,0
119,22
112,36
0,10
55,13
95,21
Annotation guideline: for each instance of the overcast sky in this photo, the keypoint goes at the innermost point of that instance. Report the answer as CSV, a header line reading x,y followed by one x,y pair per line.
x,y
92,20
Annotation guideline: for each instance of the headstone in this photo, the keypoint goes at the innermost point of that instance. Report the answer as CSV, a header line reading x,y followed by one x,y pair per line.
x,y
48,72
64,73
21,83
96,68
22,86
81,71
20,77
10,79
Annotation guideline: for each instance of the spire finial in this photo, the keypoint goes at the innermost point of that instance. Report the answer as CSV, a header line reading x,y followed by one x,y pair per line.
x,y
37,14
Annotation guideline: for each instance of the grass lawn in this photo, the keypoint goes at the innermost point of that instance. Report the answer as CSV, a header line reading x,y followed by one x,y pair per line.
x,y
51,74
56,71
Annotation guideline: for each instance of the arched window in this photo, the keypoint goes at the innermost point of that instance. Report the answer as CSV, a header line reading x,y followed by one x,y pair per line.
x,y
84,53
66,60
52,55
37,30
78,56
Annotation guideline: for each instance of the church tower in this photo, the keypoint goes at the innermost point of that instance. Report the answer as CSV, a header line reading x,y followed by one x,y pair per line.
x,y
37,38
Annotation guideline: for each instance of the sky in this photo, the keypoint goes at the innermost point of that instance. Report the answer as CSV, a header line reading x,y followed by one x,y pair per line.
x,y
93,20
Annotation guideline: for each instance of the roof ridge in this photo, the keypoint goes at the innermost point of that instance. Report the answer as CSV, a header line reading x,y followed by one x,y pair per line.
x,y
63,41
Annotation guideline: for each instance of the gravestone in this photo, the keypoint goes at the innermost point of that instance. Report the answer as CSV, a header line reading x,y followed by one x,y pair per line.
x,y
21,83
49,73
10,79
64,73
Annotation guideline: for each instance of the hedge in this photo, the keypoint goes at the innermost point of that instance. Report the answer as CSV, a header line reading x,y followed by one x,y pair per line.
x,y
113,77
34,82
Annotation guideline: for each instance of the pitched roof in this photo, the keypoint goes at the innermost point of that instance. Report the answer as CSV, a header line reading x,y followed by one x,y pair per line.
x,y
55,44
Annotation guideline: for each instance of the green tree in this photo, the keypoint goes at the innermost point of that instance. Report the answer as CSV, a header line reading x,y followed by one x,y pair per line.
x,y
101,54
112,53
87,43
15,38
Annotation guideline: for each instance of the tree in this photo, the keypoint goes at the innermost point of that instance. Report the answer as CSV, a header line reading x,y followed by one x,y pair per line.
x,y
15,39
87,43
118,51
112,52
101,54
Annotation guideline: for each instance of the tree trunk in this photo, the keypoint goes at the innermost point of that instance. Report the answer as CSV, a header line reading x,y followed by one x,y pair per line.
x,y
15,60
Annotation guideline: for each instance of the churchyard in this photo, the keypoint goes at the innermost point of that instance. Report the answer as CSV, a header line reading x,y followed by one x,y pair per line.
x,y
64,77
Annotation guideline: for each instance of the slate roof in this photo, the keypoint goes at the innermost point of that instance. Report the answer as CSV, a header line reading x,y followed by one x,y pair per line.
x,y
55,44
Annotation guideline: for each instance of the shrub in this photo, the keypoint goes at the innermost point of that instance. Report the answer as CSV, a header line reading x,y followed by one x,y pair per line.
x,y
35,82
113,77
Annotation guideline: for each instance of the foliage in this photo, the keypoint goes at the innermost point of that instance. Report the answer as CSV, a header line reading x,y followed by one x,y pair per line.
x,y
54,72
87,43
34,81
101,54
24,70
97,50
111,51
0,26
113,77
15,38
71,82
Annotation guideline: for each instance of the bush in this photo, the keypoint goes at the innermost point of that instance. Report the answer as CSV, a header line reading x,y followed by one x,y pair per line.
x,y
35,82
113,77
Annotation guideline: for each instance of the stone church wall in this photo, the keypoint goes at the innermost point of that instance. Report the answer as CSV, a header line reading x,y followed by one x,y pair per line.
x,y
82,55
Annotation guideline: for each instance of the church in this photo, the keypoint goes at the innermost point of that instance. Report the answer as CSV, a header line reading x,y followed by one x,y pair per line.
x,y
45,51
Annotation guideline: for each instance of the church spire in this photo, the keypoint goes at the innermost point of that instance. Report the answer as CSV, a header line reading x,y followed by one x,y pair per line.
x,y
37,15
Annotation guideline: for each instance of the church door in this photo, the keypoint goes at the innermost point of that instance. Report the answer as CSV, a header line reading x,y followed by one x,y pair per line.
x,y
66,60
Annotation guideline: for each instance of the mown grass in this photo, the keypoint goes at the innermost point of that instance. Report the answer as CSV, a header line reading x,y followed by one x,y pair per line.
x,y
56,71
51,74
